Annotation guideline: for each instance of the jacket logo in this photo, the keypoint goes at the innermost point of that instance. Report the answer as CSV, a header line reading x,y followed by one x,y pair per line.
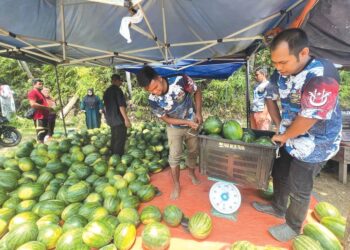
x,y
318,98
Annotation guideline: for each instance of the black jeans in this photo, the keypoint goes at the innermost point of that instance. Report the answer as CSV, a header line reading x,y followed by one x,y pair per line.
x,y
41,129
118,139
293,178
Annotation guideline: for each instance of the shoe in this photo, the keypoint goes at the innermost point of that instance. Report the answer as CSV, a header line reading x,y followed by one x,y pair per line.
x,y
267,209
283,232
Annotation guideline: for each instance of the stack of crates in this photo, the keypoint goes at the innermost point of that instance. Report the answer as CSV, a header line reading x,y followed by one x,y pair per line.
x,y
245,164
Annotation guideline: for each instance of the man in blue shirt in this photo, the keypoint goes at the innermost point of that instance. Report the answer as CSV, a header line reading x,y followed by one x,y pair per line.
x,y
309,128
171,101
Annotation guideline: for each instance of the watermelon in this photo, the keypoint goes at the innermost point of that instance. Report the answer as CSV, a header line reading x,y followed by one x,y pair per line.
x,y
110,220
325,209
49,235
8,180
97,234
109,247
243,244
11,164
108,191
135,186
48,195
130,201
303,242
72,239
20,235
75,221
78,192
156,236
32,245
21,218
146,193
45,178
129,215
172,215
268,193
212,125
200,225
264,140
46,220
87,209
112,204
124,236
92,158
30,191
3,196
26,164
50,207
150,214
26,205
124,192
129,176
98,213
248,136
336,225
100,167
232,130
6,214
94,197
321,234
54,166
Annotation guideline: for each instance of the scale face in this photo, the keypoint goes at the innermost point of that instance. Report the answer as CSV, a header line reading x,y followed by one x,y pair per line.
x,y
225,197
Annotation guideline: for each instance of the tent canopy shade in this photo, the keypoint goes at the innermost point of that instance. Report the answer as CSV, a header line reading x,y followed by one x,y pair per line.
x,y
87,31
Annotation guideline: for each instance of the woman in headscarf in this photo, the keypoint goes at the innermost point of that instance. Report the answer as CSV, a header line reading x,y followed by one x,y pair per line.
x,y
93,108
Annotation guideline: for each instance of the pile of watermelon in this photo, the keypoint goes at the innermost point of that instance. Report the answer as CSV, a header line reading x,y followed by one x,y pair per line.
x,y
73,193
232,130
327,233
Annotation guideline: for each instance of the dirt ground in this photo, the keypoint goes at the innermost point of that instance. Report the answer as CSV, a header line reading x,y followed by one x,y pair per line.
x,y
328,188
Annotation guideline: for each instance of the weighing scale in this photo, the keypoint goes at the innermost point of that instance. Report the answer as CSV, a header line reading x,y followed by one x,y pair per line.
x,y
225,199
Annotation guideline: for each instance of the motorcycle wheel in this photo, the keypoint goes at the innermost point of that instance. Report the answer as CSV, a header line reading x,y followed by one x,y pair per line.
x,y
9,136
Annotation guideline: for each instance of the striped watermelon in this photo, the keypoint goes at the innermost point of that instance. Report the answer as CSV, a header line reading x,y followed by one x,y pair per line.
x,y
129,215
336,225
21,218
124,236
243,244
325,209
97,234
75,221
72,239
150,214
303,242
78,192
146,193
200,225
112,205
49,235
32,245
70,210
130,201
50,207
156,236
172,215
111,221
109,247
321,234
24,233
46,220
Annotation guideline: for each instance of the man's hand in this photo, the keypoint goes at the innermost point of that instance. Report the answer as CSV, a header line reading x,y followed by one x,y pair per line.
x,y
127,123
281,139
193,125
198,118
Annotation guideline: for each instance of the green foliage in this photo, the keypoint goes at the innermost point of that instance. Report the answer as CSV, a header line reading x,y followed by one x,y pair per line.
x,y
345,89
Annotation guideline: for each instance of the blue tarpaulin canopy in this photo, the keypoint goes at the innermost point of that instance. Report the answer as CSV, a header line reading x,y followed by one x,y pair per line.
x,y
76,32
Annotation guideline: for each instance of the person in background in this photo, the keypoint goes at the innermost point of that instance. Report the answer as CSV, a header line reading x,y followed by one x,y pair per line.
x,y
309,127
116,115
42,109
259,117
93,108
51,119
171,100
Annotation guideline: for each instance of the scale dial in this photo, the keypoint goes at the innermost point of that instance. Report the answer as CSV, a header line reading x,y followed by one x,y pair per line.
x,y
225,197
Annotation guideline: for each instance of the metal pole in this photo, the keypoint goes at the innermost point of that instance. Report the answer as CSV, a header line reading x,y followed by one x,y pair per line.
x,y
247,98
60,98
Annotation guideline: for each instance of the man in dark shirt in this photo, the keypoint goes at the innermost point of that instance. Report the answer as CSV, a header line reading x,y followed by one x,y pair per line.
x,y
116,115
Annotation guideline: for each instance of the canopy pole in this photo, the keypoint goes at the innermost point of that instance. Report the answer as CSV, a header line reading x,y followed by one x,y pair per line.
x,y
60,98
63,31
164,32
247,97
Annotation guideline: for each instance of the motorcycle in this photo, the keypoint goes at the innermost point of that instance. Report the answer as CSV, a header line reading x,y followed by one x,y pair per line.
x,y
9,136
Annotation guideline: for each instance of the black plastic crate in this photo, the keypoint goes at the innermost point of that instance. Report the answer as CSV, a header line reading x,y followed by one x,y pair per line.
x,y
245,164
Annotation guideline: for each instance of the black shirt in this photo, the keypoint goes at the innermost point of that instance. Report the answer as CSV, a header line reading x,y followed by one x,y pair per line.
x,y
113,99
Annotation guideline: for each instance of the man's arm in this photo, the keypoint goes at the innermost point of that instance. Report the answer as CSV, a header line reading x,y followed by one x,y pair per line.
x,y
274,112
125,116
175,121
198,105
298,127
36,105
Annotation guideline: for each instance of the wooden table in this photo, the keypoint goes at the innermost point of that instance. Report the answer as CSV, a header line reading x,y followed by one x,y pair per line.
x,y
343,157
